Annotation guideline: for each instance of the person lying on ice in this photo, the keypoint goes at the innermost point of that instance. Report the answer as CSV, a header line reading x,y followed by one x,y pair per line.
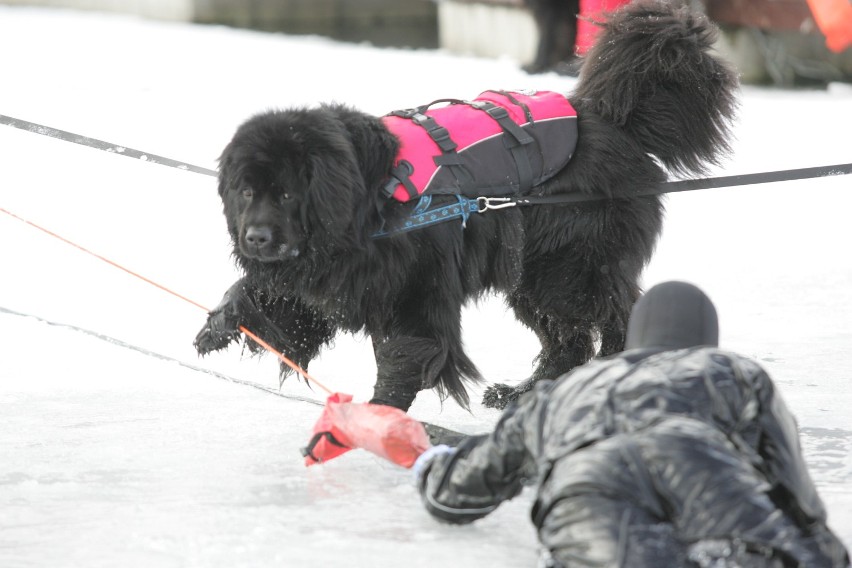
x,y
671,453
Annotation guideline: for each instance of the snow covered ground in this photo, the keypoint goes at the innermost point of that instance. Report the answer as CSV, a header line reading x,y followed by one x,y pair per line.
x,y
119,448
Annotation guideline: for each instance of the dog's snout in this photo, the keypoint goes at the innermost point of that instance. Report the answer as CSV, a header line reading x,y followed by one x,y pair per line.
x,y
259,236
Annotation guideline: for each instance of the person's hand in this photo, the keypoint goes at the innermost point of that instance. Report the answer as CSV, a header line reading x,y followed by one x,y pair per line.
x,y
424,461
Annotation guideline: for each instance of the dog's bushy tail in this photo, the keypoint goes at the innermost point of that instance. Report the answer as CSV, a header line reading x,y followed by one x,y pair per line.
x,y
652,73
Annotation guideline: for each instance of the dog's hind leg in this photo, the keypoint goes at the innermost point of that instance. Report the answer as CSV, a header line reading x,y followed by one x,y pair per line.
x,y
401,364
613,335
566,342
408,364
572,299
420,359
422,347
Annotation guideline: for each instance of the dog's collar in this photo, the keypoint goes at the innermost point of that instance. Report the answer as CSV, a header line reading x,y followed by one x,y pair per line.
x,y
424,215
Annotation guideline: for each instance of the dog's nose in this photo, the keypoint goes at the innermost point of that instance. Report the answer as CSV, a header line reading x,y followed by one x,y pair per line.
x,y
259,236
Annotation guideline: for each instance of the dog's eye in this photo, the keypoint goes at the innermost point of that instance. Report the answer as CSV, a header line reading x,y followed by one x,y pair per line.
x,y
285,196
247,192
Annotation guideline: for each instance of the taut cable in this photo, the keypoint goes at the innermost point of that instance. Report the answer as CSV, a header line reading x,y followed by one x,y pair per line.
x,y
284,359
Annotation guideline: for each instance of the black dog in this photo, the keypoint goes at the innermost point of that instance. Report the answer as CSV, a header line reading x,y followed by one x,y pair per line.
x,y
300,189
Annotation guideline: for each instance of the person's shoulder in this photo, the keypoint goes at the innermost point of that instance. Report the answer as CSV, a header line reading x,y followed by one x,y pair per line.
x,y
697,359
589,376
719,353
595,367
743,365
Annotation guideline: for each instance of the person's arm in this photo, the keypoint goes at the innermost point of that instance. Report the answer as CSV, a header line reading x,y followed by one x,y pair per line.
x,y
780,447
463,484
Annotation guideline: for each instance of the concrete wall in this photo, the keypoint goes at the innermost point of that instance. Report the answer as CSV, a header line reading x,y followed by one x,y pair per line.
x,y
487,30
180,10
412,23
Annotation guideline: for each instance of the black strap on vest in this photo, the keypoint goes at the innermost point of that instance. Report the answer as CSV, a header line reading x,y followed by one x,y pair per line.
x,y
502,117
516,140
436,132
516,102
441,136
401,173
449,157
453,161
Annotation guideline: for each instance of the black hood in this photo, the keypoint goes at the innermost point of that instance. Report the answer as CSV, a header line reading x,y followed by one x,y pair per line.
x,y
672,315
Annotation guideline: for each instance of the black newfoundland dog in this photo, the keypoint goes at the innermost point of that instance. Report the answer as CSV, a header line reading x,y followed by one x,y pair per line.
x,y
300,189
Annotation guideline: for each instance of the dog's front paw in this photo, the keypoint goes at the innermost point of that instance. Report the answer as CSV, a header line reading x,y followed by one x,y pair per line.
x,y
219,331
222,327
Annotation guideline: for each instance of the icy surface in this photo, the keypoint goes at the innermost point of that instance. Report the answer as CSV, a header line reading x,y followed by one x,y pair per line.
x,y
115,456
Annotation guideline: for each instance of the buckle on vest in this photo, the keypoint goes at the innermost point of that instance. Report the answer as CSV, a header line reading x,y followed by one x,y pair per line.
x,y
400,174
418,117
439,134
498,112
405,113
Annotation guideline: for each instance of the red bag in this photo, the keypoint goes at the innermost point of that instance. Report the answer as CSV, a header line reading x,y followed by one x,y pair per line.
x,y
385,431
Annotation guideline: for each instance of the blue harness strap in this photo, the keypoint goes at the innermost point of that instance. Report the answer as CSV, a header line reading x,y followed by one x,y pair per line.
x,y
424,215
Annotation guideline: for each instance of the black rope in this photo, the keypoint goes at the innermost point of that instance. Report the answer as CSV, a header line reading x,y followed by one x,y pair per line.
x,y
665,187
695,184
101,145
764,177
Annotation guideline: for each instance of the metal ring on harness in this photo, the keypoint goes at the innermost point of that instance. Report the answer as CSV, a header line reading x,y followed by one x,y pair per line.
x,y
487,203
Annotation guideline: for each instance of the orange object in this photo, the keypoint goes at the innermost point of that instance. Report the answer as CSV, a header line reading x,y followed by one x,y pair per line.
x,y
243,329
834,18
385,431
594,10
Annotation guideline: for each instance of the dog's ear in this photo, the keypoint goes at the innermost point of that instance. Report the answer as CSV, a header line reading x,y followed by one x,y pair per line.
x,y
373,149
228,171
336,188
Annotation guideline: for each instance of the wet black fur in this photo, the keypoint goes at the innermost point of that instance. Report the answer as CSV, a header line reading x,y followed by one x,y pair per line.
x,y
300,188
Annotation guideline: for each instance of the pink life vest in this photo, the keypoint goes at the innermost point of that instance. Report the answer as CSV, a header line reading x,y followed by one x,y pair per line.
x,y
501,143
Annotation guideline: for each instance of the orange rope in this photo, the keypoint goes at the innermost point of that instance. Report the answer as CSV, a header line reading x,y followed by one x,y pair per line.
x,y
243,329
284,359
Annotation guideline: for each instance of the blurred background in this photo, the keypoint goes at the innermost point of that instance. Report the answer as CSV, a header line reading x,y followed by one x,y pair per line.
x,y
788,43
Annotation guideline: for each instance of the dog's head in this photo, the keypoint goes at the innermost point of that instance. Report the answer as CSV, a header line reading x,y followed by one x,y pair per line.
x,y
290,181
